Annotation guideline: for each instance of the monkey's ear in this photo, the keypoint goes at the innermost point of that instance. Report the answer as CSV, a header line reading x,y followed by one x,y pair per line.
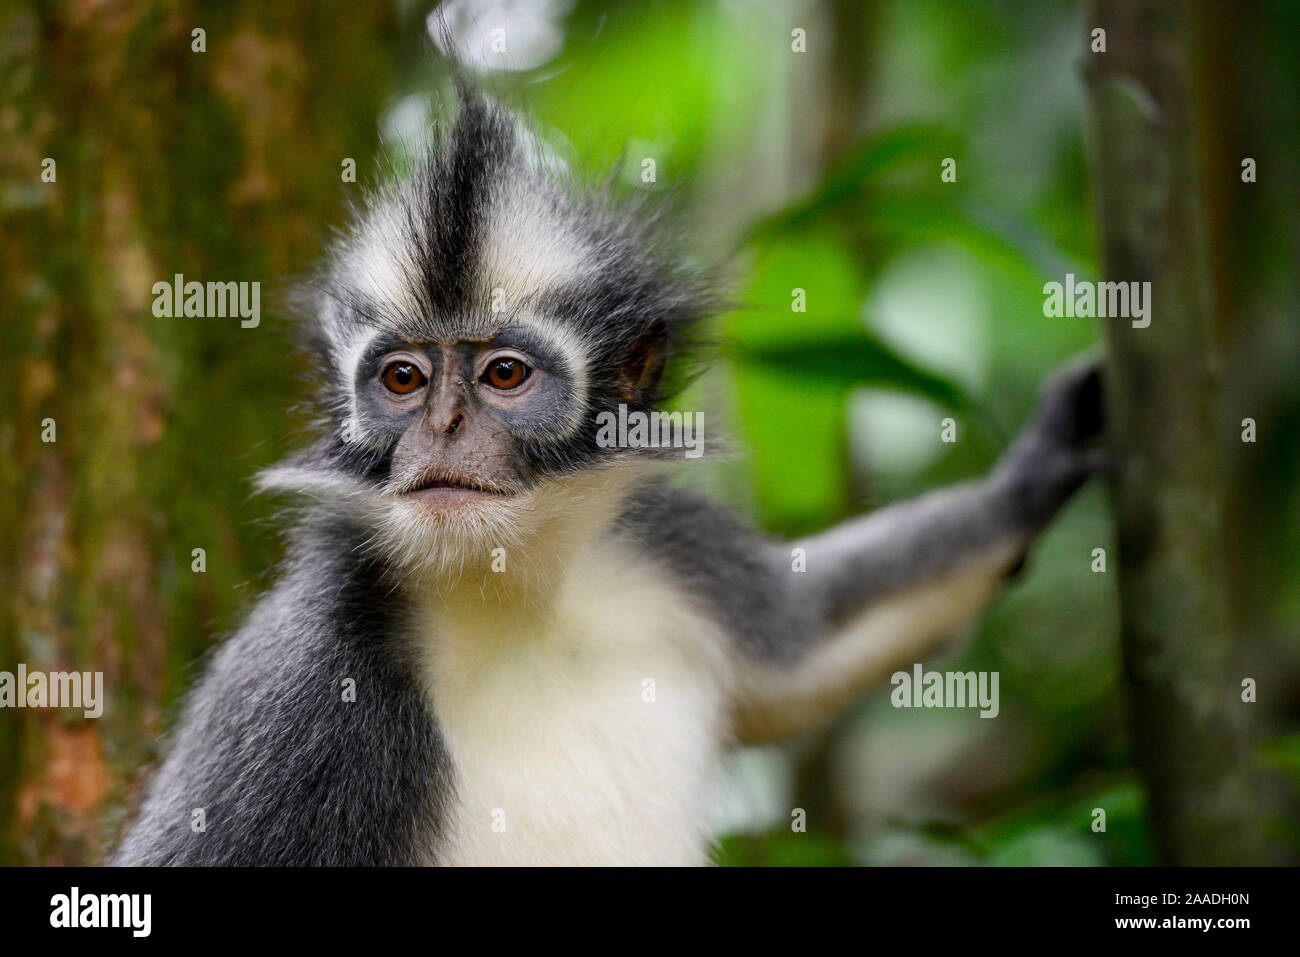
x,y
643,367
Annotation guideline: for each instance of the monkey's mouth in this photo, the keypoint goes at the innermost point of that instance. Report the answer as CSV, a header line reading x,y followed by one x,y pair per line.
x,y
442,489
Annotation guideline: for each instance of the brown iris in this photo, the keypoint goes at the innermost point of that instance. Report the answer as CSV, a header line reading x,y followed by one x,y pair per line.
x,y
402,378
505,373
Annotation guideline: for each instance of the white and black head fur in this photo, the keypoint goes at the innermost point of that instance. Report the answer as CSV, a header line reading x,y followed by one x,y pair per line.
x,y
485,251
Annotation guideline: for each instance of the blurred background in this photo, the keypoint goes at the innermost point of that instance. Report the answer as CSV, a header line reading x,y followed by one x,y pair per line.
x,y
814,169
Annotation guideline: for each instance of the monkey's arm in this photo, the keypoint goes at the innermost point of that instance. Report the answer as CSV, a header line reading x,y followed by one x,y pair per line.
x,y
879,592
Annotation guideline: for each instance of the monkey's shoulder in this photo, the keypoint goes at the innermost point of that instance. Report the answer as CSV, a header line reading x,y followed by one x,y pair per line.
x,y
742,579
304,704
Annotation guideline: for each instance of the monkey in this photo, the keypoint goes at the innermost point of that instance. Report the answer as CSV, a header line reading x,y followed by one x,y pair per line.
x,y
453,662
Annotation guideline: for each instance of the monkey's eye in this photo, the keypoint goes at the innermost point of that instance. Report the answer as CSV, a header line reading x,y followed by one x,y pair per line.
x,y
506,372
402,377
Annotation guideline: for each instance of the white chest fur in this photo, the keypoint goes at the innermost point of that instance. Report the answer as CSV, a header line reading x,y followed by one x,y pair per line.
x,y
590,736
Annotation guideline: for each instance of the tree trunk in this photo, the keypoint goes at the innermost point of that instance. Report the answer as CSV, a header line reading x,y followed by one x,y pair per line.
x,y
1163,388
221,164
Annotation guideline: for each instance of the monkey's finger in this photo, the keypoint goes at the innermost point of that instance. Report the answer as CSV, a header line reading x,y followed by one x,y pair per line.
x,y
1072,407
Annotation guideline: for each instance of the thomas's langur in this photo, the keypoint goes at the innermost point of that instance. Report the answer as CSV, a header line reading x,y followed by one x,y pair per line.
x,y
453,665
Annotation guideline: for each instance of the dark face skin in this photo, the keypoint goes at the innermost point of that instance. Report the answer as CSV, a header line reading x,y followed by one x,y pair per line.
x,y
461,411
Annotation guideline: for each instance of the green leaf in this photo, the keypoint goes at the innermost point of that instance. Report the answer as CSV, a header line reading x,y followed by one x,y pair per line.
x,y
843,361
1049,846
781,848
911,153
798,437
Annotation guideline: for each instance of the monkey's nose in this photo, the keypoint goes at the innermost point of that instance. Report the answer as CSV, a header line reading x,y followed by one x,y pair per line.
x,y
454,425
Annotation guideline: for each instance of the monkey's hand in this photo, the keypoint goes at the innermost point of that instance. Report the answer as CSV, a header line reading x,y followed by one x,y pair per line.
x,y
1056,452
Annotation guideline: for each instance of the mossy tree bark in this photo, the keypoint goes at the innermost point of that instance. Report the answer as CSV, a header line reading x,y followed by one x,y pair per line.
x,y
1189,718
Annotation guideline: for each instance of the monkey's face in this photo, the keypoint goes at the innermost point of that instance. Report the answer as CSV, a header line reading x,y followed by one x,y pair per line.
x,y
488,437
459,415
474,325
